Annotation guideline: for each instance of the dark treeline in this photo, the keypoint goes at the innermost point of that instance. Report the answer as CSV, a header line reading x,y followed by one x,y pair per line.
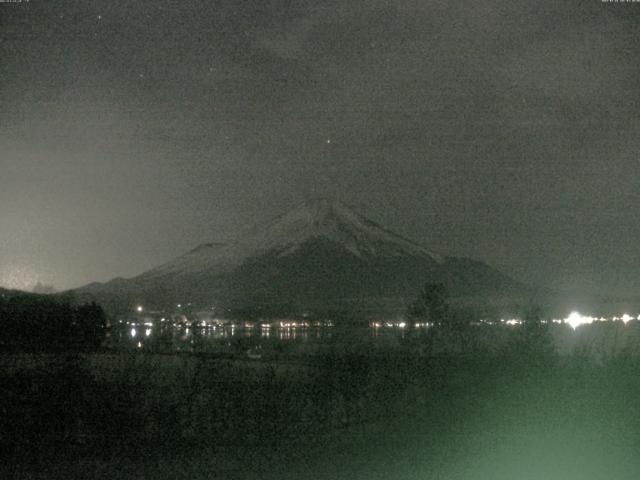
x,y
37,323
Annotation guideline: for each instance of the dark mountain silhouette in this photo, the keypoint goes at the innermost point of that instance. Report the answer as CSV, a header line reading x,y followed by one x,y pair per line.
x,y
319,257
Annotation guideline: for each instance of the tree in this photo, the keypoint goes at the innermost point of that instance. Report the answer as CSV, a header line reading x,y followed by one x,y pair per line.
x,y
432,305
534,341
90,324
37,323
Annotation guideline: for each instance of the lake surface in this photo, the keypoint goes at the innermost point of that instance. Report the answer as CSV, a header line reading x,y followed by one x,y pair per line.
x,y
302,338
242,337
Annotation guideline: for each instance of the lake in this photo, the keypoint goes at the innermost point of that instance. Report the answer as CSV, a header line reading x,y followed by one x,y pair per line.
x,y
288,338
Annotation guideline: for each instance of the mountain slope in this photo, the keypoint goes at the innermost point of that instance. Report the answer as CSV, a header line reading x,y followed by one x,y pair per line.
x,y
316,219
319,256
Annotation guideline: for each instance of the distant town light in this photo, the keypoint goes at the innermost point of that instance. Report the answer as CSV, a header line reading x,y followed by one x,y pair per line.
x,y
133,333
139,308
626,317
575,320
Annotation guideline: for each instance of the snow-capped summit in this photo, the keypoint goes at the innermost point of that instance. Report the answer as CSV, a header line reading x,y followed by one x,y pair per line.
x,y
312,220
333,221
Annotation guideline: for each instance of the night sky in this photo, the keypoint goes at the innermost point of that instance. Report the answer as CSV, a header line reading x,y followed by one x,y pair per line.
x,y
508,131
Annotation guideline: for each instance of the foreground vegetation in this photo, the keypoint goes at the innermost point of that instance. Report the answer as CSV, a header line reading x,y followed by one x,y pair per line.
x,y
452,401
144,415
40,323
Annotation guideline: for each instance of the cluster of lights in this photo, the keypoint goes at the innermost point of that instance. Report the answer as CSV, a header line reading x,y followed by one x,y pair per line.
x,y
294,324
400,324
625,318
575,319
134,332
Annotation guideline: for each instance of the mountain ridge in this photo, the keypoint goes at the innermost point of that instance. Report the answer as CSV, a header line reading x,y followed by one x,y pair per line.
x,y
319,255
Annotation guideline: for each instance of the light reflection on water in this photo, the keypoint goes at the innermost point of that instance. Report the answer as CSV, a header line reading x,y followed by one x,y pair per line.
x,y
275,340
225,337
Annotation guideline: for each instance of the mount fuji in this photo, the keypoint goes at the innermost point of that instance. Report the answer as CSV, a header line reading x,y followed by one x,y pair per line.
x,y
319,257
